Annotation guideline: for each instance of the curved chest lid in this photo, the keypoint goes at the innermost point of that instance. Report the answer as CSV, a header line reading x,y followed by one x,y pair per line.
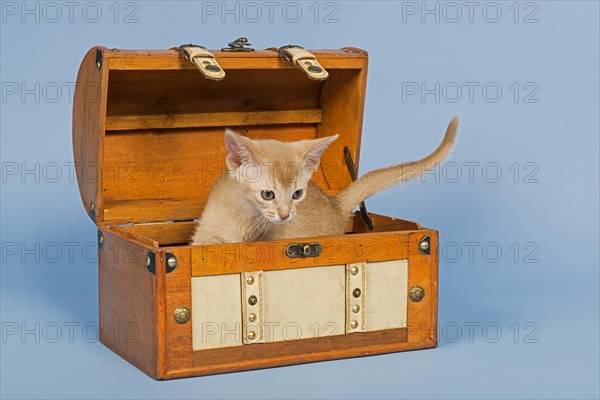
x,y
148,127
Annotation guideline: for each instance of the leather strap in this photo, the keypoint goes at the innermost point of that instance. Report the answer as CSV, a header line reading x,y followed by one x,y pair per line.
x,y
204,60
304,60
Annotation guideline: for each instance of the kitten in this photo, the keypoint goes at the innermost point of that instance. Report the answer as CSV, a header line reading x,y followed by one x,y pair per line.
x,y
267,194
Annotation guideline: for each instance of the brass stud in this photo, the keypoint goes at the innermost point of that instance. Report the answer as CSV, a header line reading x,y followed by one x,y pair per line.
x,y
251,335
416,293
172,262
354,324
148,260
252,317
355,308
250,280
354,270
252,300
181,315
98,65
356,293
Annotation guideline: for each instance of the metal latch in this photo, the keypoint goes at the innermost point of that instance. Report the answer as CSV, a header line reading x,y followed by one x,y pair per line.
x,y
303,250
204,60
239,44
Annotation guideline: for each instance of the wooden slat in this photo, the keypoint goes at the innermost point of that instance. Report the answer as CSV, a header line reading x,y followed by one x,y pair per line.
x,y
179,294
295,351
141,210
175,61
151,176
168,92
423,271
224,119
156,210
115,54
130,235
164,233
230,258
281,360
178,233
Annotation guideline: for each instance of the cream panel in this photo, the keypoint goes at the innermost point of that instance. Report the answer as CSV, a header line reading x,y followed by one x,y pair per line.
x,y
304,303
386,300
216,311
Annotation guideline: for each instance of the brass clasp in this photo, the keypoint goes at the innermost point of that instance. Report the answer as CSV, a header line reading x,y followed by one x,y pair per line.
x,y
239,44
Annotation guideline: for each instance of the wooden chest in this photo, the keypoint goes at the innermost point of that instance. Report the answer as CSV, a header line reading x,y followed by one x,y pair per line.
x,y
148,141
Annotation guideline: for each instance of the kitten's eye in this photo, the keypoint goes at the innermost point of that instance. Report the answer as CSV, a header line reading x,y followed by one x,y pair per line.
x,y
267,194
297,194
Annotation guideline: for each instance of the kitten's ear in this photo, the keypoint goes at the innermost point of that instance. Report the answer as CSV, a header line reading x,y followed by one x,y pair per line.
x,y
239,151
312,155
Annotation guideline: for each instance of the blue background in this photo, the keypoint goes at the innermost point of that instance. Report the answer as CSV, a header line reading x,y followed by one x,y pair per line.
x,y
544,300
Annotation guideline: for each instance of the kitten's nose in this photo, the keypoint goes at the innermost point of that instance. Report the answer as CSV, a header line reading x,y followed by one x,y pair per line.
x,y
284,216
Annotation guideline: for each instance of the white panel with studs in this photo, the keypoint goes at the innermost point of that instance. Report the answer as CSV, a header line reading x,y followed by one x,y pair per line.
x,y
252,307
356,294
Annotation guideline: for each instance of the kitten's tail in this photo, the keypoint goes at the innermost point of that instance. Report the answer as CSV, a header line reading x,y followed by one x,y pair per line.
x,y
384,178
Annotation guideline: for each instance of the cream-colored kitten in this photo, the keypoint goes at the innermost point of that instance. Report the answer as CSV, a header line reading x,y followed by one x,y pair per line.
x,y
267,193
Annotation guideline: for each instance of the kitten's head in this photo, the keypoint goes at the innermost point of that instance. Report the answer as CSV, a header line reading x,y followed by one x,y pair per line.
x,y
274,175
